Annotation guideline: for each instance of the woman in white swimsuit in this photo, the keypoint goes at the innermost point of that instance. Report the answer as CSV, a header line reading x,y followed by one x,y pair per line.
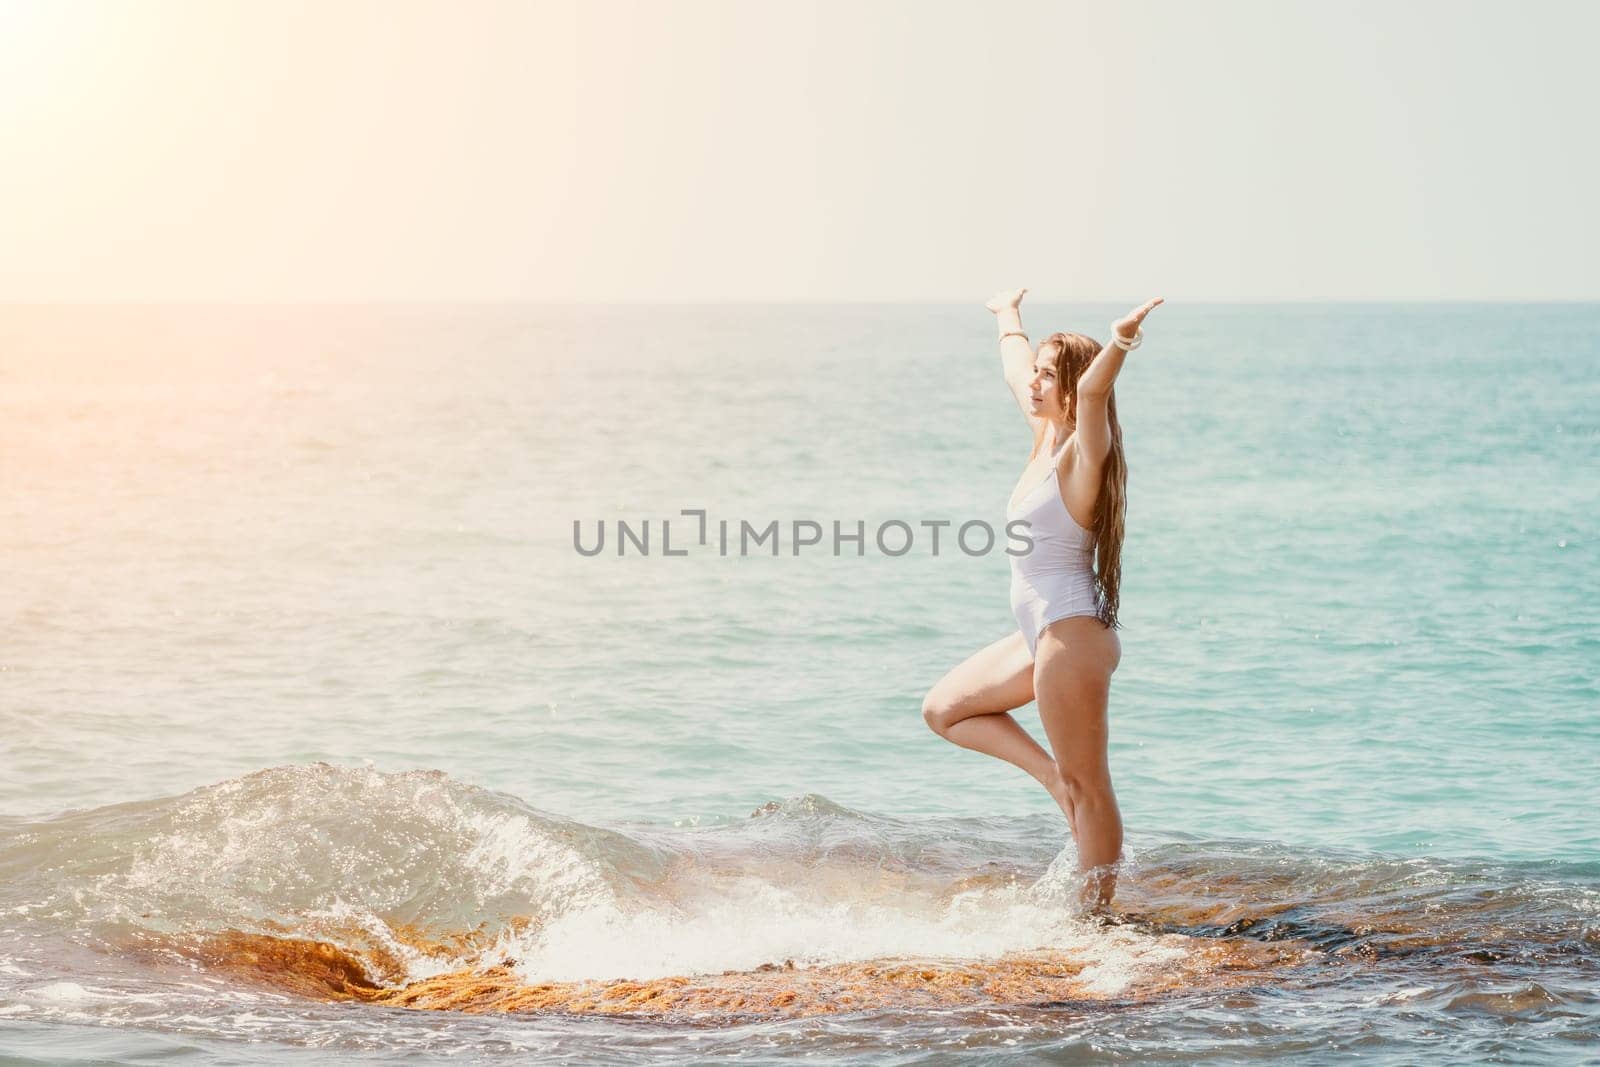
x,y
1064,591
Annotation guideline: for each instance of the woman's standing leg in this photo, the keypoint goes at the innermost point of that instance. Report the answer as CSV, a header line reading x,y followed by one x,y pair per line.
x,y
1072,681
968,706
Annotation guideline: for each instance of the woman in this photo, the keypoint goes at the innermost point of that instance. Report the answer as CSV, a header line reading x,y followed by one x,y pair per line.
x,y
1064,590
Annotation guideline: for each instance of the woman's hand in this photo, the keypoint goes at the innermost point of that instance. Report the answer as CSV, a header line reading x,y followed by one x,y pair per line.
x,y
1006,300
1127,326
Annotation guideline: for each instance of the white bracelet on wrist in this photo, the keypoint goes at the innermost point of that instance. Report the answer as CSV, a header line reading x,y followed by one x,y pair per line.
x,y
1130,345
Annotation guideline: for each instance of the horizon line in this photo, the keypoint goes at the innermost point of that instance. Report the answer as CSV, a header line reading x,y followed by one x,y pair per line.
x,y
766,302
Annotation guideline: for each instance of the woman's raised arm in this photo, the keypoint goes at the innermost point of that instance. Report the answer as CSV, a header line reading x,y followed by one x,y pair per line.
x,y
1101,373
1094,384
1016,354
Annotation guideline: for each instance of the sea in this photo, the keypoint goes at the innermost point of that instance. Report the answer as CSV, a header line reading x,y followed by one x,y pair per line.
x,y
537,683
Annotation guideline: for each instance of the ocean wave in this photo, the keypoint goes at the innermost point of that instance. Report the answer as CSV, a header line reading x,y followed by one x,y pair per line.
x,y
412,888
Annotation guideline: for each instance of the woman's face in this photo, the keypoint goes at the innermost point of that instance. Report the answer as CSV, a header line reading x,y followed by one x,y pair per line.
x,y
1044,391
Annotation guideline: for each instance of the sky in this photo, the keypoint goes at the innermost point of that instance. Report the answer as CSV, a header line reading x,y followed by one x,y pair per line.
x,y
347,150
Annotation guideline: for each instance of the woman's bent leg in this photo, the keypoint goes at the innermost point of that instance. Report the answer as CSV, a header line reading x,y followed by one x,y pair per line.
x,y
968,706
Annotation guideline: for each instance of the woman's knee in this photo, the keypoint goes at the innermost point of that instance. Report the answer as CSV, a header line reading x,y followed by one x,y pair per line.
x,y
938,711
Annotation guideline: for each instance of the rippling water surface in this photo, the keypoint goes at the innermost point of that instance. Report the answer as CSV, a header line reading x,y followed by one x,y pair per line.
x,y
316,731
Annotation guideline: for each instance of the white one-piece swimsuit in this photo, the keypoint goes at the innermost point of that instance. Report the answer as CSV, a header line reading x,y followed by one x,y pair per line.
x,y
1055,579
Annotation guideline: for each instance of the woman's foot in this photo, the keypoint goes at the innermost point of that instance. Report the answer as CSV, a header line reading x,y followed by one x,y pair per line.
x,y
1057,788
1099,885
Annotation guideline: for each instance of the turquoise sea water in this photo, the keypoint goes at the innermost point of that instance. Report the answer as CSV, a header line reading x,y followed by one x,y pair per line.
x,y
260,566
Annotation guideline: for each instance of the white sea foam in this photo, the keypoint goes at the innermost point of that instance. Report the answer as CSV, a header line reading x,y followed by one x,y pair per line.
x,y
744,921
67,993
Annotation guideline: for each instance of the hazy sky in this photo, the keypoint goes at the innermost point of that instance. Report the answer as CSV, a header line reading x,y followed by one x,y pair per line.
x,y
794,151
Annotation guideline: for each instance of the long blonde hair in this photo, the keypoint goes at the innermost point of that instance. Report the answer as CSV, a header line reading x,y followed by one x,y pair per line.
x,y
1074,353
